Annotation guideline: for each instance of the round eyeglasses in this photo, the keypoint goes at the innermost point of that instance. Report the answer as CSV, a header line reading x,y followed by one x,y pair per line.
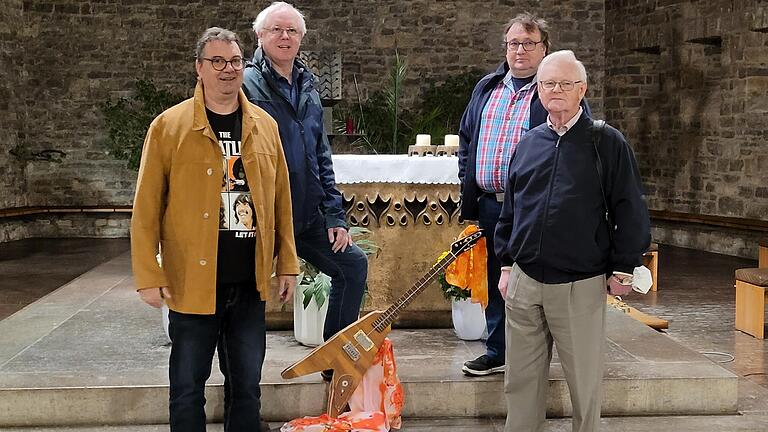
x,y
219,63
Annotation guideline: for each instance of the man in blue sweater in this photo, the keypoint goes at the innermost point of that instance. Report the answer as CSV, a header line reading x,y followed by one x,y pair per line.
x,y
277,81
555,248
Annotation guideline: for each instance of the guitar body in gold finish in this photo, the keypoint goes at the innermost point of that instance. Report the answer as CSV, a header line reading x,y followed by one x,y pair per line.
x,y
349,353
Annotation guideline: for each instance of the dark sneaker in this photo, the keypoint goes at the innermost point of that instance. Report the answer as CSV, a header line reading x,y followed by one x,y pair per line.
x,y
482,366
327,375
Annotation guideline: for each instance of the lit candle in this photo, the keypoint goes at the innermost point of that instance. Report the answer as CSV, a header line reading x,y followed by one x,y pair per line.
x,y
423,140
452,140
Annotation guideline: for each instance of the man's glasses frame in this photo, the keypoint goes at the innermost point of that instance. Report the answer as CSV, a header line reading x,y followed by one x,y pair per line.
x,y
527,45
220,63
278,31
565,85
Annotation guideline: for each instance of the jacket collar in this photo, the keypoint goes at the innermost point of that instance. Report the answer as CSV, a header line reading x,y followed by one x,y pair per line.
x,y
200,121
260,60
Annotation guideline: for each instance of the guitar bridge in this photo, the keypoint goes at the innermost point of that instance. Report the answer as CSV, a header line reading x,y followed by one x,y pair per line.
x,y
351,351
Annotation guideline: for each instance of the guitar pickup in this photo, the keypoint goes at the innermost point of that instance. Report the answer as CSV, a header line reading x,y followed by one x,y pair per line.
x,y
351,351
364,340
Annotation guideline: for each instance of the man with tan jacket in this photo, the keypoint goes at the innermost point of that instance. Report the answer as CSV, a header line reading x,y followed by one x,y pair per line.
x,y
215,271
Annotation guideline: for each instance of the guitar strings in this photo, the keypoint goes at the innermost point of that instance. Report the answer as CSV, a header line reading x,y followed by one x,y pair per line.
x,y
415,290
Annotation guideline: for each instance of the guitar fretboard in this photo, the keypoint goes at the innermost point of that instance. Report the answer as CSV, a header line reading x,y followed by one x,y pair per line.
x,y
386,319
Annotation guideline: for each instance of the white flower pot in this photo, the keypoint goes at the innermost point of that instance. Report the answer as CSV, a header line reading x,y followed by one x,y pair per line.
x,y
468,319
308,323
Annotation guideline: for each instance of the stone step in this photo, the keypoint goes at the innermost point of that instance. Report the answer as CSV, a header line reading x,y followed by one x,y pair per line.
x,y
92,354
729,423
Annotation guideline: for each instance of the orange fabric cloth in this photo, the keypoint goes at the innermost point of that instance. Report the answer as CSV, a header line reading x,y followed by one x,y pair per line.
x,y
469,270
374,407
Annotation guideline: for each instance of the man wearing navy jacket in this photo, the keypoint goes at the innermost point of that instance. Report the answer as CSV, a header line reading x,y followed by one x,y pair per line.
x,y
504,106
277,81
556,247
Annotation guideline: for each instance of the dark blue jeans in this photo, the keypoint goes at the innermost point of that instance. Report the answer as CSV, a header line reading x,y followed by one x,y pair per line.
x,y
348,271
237,329
489,210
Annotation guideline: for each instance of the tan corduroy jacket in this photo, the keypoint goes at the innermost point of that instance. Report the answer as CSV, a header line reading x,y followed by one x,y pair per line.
x,y
177,202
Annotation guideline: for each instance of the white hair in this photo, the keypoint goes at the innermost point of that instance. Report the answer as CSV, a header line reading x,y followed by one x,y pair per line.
x,y
568,56
261,19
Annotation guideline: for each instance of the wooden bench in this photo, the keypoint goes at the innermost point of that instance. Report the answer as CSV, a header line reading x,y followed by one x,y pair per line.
x,y
763,257
651,260
751,290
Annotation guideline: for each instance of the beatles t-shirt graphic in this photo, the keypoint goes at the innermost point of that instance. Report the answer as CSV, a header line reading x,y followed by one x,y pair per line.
x,y
237,215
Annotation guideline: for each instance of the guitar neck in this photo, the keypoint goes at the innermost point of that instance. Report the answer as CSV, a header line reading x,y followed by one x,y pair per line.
x,y
389,316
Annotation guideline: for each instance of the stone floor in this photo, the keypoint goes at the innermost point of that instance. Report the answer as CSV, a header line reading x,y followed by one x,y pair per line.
x,y
33,268
695,294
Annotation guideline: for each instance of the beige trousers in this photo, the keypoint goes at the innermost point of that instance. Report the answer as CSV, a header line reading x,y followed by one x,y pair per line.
x,y
572,315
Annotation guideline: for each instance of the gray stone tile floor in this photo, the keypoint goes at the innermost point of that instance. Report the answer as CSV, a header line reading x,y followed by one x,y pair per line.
x,y
695,294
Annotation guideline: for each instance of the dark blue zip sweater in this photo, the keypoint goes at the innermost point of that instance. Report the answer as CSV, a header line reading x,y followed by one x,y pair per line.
x,y
552,223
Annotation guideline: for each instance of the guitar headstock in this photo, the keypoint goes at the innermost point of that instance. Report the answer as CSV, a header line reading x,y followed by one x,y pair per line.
x,y
466,242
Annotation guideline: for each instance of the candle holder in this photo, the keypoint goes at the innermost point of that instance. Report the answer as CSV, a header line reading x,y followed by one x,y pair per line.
x,y
447,150
422,150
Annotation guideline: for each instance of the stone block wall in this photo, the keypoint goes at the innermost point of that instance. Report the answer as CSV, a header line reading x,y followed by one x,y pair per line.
x,y
13,190
687,82
66,225
88,51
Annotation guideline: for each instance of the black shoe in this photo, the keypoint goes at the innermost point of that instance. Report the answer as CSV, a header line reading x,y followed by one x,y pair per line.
x,y
482,366
327,375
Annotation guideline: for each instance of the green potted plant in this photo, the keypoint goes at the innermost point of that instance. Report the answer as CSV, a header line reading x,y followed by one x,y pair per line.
x,y
310,301
468,318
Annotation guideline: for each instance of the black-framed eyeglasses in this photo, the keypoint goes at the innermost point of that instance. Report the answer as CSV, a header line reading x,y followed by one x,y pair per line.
x,y
565,85
219,63
527,45
278,31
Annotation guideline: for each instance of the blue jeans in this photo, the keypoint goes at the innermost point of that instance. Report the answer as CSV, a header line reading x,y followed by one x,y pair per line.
x,y
348,271
489,210
238,330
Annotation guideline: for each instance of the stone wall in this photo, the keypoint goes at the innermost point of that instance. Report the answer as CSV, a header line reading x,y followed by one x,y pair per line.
x,y
65,225
87,51
12,181
687,82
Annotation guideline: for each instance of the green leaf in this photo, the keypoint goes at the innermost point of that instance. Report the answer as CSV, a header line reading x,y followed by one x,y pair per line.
x,y
308,292
126,120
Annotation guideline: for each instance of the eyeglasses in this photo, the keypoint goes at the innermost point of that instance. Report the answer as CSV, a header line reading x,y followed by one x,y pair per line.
x,y
527,45
220,64
564,85
278,31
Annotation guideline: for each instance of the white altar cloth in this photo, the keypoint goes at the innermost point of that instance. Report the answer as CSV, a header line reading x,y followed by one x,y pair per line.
x,y
396,169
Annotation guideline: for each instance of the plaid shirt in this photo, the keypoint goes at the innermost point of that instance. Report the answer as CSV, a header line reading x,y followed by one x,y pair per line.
x,y
504,120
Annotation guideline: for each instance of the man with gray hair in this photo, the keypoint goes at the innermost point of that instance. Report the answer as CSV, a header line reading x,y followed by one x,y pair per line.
x,y
573,214
504,106
277,81
215,273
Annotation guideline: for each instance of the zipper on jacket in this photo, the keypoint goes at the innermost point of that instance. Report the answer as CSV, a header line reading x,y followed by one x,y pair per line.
x,y
280,94
549,195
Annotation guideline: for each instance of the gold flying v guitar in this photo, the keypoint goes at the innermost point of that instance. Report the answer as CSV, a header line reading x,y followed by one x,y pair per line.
x,y
351,351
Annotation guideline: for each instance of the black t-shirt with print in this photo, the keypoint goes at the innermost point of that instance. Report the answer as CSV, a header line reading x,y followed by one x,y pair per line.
x,y
235,262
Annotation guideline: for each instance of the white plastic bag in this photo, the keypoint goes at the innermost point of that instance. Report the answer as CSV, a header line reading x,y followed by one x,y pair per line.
x,y
641,280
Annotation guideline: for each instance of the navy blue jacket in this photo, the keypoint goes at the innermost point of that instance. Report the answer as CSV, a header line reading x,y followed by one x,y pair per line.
x,y
552,223
469,131
306,147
